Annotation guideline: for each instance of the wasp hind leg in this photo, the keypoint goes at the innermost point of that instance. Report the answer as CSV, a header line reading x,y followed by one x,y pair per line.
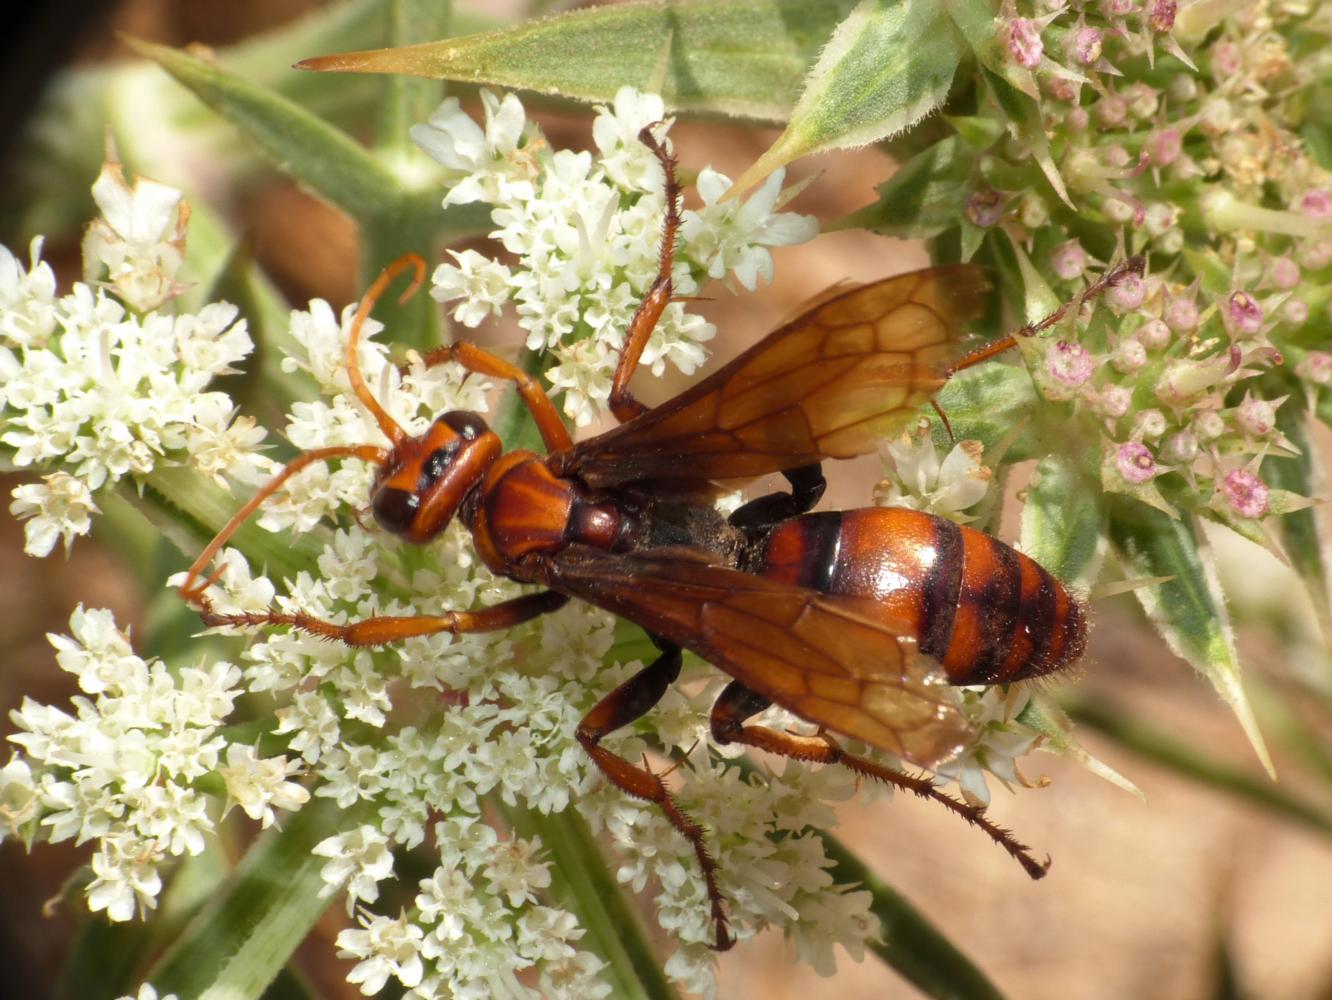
x,y
807,486
383,629
632,700
737,703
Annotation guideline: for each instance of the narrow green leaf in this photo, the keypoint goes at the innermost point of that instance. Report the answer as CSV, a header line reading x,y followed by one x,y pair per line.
x,y
1027,125
742,58
1302,536
582,882
240,941
888,65
310,149
1161,748
924,197
1189,611
910,944
409,100
1063,520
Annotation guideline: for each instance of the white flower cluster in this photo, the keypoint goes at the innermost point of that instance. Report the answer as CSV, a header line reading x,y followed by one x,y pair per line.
x,y
583,233
93,391
124,770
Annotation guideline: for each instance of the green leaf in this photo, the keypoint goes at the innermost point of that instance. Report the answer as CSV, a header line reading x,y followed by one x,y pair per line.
x,y
408,101
1189,611
310,149
1162,748
239,942
1027,126
582,883
1302,536
986,403
1064,519
742,58
888,65
924,197
1042,715
909,943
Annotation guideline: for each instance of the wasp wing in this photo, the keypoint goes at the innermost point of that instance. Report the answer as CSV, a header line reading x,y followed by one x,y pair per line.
x,y
831,383
832,660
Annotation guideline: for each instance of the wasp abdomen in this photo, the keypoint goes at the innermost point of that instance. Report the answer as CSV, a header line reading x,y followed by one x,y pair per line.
x,y
985,611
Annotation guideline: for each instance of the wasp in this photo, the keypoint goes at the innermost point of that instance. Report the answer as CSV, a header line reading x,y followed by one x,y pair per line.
x,y
854,620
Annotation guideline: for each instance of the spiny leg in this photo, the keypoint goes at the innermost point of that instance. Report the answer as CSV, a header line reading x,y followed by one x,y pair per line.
x,y
622,402
631,700
737,703
807,486
383,629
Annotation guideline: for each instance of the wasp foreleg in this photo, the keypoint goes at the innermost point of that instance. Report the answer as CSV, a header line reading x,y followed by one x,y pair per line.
x,y
631,700
807,486
737,703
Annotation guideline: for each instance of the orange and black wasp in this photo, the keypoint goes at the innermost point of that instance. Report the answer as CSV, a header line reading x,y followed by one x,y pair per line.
x,y
854,620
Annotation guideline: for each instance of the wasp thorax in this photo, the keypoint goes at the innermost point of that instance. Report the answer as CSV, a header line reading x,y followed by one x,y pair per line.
x,y
428,477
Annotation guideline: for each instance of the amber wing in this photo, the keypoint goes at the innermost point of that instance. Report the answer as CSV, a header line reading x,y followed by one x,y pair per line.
x,y
832,383
831,660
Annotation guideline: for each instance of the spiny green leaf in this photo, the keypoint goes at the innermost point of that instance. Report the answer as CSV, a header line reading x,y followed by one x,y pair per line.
x,y
1026,124
1063,520
986,403
1190,610
924,197
1047,718
888,65
743,58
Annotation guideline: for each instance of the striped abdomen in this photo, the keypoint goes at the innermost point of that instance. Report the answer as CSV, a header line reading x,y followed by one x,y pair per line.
x,y
981,608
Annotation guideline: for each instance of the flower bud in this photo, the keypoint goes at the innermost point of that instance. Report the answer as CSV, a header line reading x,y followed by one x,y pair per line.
x,y
1182,88
1244,313
1129,356
1180,448
1284,272
1143,100
1153,334
1158,217
1295,312
1032,211
1111,110
1316,204
1315,254
1165,145
1126,294
1315,367
1208,425
1024,42
1150,424
1076,119
1069,364
1256,417
1068,260
1161,15
1114,401
1084,45
1135,463
985,207
1185,378
1246,493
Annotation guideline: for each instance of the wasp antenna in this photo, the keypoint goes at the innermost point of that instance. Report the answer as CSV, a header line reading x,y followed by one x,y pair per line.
x,y
192,588
943,419
387,424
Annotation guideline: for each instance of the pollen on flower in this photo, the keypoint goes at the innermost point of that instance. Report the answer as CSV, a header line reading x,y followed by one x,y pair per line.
x,y
1135,462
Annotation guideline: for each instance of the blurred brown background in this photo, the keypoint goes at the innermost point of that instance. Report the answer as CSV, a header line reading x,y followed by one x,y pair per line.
x,y
1142,898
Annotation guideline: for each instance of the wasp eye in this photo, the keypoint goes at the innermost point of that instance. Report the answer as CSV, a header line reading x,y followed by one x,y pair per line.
x,y
469,425
395,509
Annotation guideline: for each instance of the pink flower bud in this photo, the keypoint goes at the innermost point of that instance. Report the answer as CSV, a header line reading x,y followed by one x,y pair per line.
x,y
1165,146
1024,42
1077,119
1085,45
1248,495
1114,401
1117,8
1161,17
1315,367
1149,424
1316,255
1181,314
985,207
1129,356
1143,100
1061,88
1153,334
1135,463
1184,379
1295,312
1316,204
1226,59
1159,217
1256,417
1285,273
1246,315
1208,425
1111,110
1069,364
1068,260
1180,448
1126,294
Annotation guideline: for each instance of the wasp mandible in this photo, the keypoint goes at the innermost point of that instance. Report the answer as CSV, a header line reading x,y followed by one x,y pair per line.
x,y
854,620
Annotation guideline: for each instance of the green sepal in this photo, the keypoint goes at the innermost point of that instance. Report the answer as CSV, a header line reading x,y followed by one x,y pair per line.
x,y
887,66
1042,715
1189,610
742,59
